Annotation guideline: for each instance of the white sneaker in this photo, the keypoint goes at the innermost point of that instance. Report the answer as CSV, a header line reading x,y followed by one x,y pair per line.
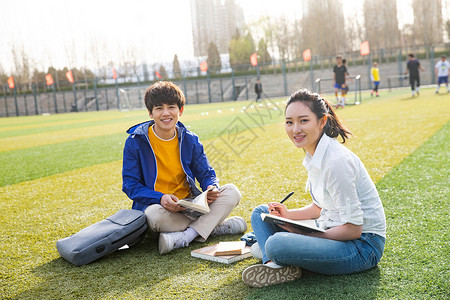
x,y
264,275
233,225
169,241
255,250
273,265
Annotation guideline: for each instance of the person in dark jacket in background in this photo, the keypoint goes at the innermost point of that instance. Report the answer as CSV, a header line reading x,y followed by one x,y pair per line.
x,y
258,89
161,161
412,67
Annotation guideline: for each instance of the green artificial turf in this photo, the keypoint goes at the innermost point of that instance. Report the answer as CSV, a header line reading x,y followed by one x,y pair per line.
x,y
56,157
412,179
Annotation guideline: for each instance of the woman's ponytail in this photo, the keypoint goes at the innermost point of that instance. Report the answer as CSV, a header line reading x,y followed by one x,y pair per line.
x,y
334,127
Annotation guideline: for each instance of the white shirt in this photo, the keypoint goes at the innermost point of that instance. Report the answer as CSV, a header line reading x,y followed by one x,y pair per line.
x,y
443,67
340,185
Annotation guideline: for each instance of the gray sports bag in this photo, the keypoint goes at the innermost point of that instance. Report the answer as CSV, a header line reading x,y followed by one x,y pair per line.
x,y
127,226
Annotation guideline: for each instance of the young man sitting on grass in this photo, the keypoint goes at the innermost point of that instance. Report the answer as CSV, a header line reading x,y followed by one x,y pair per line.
x,y
161,161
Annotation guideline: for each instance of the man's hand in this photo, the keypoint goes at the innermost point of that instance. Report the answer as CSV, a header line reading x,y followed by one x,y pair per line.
x,y
169,203
212,195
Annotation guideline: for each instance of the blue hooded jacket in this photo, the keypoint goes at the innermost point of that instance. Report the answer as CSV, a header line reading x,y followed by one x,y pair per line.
x,y
139,169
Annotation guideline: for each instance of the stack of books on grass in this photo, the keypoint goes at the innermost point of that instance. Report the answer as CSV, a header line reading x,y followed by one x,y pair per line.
x,y
224,252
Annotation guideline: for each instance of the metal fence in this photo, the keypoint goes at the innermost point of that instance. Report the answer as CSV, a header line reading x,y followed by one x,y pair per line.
x,y
278,79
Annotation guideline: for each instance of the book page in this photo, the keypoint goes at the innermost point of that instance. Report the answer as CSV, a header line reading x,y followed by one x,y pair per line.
x,y
305,224
230,248
208,254
200,203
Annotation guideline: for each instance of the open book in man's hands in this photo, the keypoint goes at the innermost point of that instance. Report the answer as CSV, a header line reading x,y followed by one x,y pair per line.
x,y
306,225
199,203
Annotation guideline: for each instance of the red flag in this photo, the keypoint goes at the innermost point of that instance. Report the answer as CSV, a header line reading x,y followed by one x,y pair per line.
x,y
49,79
204,66
254,59
11,82
114,73
365,48
307,55
157,74
69,76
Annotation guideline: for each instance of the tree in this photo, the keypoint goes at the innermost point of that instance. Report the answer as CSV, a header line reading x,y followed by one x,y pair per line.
x,y
163,72
325,38
3,75
381,24
296,41
263,53
22,71
71,56
176,67
427,21
99,51
213,60
240,49
447,28
37,77
283,38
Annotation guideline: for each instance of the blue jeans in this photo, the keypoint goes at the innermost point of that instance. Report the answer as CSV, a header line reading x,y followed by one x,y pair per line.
x,y
316,254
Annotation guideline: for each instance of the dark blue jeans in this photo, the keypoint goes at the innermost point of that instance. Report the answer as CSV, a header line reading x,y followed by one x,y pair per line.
x,y
316,254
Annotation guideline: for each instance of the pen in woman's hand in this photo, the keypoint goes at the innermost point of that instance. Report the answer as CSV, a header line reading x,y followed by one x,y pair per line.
x,y
287,197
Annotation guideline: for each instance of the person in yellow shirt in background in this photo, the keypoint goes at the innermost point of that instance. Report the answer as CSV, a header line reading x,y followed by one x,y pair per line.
x,y
161,161
375,77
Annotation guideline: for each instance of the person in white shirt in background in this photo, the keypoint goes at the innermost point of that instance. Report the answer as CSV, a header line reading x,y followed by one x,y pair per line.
x,y
345,203
441,70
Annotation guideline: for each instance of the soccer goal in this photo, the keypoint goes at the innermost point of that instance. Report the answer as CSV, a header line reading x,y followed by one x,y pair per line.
x,y
131,98
353,85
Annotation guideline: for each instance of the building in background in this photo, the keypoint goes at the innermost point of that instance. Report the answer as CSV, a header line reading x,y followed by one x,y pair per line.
x,y
214,21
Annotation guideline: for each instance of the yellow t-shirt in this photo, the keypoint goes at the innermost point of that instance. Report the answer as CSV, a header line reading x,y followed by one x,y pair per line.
x,y
170,178
375,73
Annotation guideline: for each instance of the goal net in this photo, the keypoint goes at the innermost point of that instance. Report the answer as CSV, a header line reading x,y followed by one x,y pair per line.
x,y
131,98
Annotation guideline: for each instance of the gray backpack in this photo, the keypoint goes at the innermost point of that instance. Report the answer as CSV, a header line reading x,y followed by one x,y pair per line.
x,y
126,227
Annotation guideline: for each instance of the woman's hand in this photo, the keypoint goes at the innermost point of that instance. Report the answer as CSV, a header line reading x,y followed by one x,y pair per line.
x,y
278,209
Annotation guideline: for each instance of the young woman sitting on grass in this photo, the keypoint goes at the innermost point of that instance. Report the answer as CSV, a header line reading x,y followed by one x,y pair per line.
x,y
345,203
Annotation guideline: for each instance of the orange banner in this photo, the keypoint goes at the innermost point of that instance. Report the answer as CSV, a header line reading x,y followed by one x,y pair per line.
x,y
307,55
158,75
11,82
254,59
49,79
204,66
114,73
365,48
69,76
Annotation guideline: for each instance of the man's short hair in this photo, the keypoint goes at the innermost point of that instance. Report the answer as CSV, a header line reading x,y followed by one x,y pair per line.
x,y
411,55
163,92
339,56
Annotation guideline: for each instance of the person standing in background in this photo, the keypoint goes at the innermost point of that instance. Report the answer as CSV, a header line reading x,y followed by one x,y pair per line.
x,y
441,70
375,77
412,67
339,78
258,90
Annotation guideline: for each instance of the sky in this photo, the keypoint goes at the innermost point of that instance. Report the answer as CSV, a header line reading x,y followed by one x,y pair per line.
x,y
153,30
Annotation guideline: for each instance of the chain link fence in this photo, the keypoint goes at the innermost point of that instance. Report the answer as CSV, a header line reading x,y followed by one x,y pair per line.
x,y
278,80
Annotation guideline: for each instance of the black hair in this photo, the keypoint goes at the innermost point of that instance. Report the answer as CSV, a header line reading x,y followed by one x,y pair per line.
x,y
320,107
163,92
